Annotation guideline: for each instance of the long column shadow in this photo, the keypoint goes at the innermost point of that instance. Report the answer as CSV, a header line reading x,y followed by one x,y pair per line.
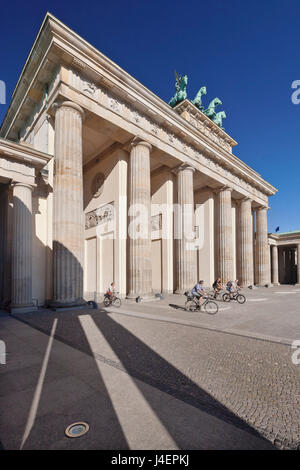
x,y
73,390
144,364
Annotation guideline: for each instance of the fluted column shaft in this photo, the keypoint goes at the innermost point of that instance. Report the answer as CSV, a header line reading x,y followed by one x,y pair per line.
x,y
140,256
224,235
22,248
275,271
245,243
68,223
298,264
262,260
184,225
3,245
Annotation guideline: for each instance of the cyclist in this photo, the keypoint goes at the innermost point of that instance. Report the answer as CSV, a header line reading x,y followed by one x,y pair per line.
x,y
111,290
198,291
232,287
217,287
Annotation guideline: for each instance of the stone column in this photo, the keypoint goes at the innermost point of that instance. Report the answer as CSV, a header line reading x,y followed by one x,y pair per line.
x,y
22,249
280,265
245,243
140,256
275,269
68,221
4,295
224,264
186,257
298,265
262,259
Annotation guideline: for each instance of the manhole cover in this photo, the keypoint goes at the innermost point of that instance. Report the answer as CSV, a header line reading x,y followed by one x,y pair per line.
x,y
77,429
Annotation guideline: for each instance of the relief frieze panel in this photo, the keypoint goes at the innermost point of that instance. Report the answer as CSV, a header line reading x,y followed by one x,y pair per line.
x,y
156,222
109,100
99,216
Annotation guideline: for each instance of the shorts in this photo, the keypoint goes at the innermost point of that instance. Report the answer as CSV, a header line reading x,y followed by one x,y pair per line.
x,y
196,294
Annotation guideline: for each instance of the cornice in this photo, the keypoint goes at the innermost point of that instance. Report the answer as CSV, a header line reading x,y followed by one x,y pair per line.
x,y
24,153
55,38
188,106
286,237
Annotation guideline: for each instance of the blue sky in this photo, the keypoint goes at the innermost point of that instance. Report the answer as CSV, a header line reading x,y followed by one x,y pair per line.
x,y
246,53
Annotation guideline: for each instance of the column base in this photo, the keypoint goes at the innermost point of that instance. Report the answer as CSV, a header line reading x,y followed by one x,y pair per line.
x,y
297,285
23,308
264,285
143,297
60,305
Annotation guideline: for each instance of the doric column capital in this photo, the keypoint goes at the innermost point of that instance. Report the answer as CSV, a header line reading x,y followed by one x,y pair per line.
x,y
137,140
244,199
23,185
182,167
66,104
260,208
223,188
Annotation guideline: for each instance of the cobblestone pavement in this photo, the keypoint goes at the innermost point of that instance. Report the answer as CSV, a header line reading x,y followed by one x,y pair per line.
x,y
254,379
238,386
268,313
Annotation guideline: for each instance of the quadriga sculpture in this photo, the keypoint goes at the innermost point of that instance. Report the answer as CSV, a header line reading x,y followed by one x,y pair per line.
x,y
219,117
197,101
181,94
210,111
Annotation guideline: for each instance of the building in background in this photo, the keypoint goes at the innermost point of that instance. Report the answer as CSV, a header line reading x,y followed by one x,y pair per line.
x,y
285,255
81,143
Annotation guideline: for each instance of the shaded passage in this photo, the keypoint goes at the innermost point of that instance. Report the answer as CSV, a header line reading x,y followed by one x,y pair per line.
x,y
73,390
190,417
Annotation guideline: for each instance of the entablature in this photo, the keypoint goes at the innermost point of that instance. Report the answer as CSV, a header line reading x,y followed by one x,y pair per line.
x,y
19,162
85,70
285,239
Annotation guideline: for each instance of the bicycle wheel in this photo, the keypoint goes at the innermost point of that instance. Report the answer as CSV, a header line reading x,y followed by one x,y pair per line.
x,y
211,307
211,294
241,298
226,297
191,305
117,302
106,302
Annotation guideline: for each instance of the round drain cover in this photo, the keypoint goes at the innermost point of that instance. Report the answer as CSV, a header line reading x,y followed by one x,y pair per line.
x,y
77,429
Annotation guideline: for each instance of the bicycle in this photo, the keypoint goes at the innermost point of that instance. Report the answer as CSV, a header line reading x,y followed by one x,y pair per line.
x,y
192,304
240,298
112,300
216,295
